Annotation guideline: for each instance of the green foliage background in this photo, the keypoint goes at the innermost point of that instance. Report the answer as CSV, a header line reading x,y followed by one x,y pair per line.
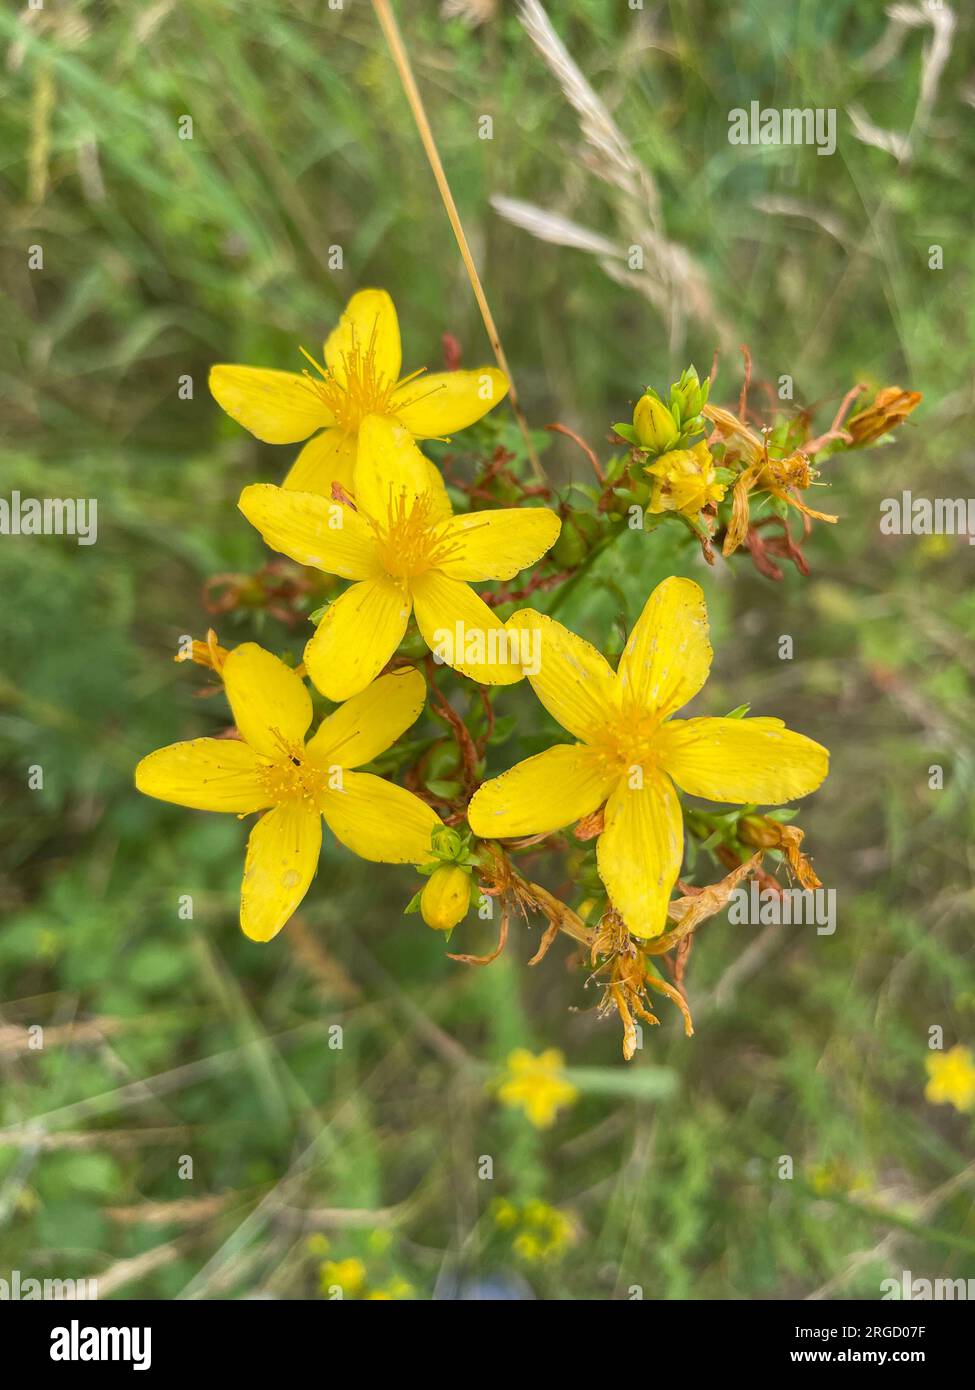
x,y
167,1037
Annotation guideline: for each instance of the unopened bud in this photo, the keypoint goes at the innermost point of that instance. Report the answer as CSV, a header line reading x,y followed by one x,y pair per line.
x,y
654,426
447,844
688,397
446,897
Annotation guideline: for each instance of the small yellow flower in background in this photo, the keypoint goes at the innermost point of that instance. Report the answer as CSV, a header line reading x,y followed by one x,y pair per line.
x,y
543,1232
396,1289
547,1232
935,547
837,1175
348,1275
272,769
505,1213
537,1085
406,552
631,752
360,377
684,480
952,1078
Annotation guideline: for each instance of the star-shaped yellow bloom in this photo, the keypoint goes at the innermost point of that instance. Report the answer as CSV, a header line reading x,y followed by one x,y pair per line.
x,y
952,1078
631,752
297,783
360,377
406,552
537,1085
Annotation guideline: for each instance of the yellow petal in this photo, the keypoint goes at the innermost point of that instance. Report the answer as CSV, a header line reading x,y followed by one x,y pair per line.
x,y
368,328
371,721
435,405
312,530
380,821
574,681
328,458
282,856
209,774
271,704
389,466
463,631
639,853
498,545
741,760
542,794
357,636
785,496
278,407
668,656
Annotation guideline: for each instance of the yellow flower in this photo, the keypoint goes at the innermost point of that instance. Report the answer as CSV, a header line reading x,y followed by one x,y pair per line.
x,y
548,1232
272,769
684,481
631,752
397,1288
505,1213
348,1275
952,1080
837,1175
360,377
405,550
537,1085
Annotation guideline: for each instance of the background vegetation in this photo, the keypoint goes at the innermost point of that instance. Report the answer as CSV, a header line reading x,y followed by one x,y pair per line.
x,y
166,1037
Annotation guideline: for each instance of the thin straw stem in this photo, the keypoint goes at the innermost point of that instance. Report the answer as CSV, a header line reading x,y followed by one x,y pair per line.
x,y
400,57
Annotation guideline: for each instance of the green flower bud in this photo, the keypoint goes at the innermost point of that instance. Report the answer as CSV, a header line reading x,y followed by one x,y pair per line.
x,y
688,397
447,844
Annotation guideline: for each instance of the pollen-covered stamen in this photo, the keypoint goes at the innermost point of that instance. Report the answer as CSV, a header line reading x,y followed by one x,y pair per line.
x,y
366,389
630,741
414,398
413,539
291,777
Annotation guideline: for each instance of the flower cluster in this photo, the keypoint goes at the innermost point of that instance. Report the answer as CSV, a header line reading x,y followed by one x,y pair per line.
x,y
538,1232
733,484
395,544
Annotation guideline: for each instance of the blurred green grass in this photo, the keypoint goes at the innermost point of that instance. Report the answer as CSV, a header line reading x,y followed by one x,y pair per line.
x,y
162,256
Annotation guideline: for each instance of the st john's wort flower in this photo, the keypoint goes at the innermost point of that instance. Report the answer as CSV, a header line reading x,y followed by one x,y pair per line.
x,y
360,376
537,1085
951,1078
685,481
633,755
295,783
406,552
